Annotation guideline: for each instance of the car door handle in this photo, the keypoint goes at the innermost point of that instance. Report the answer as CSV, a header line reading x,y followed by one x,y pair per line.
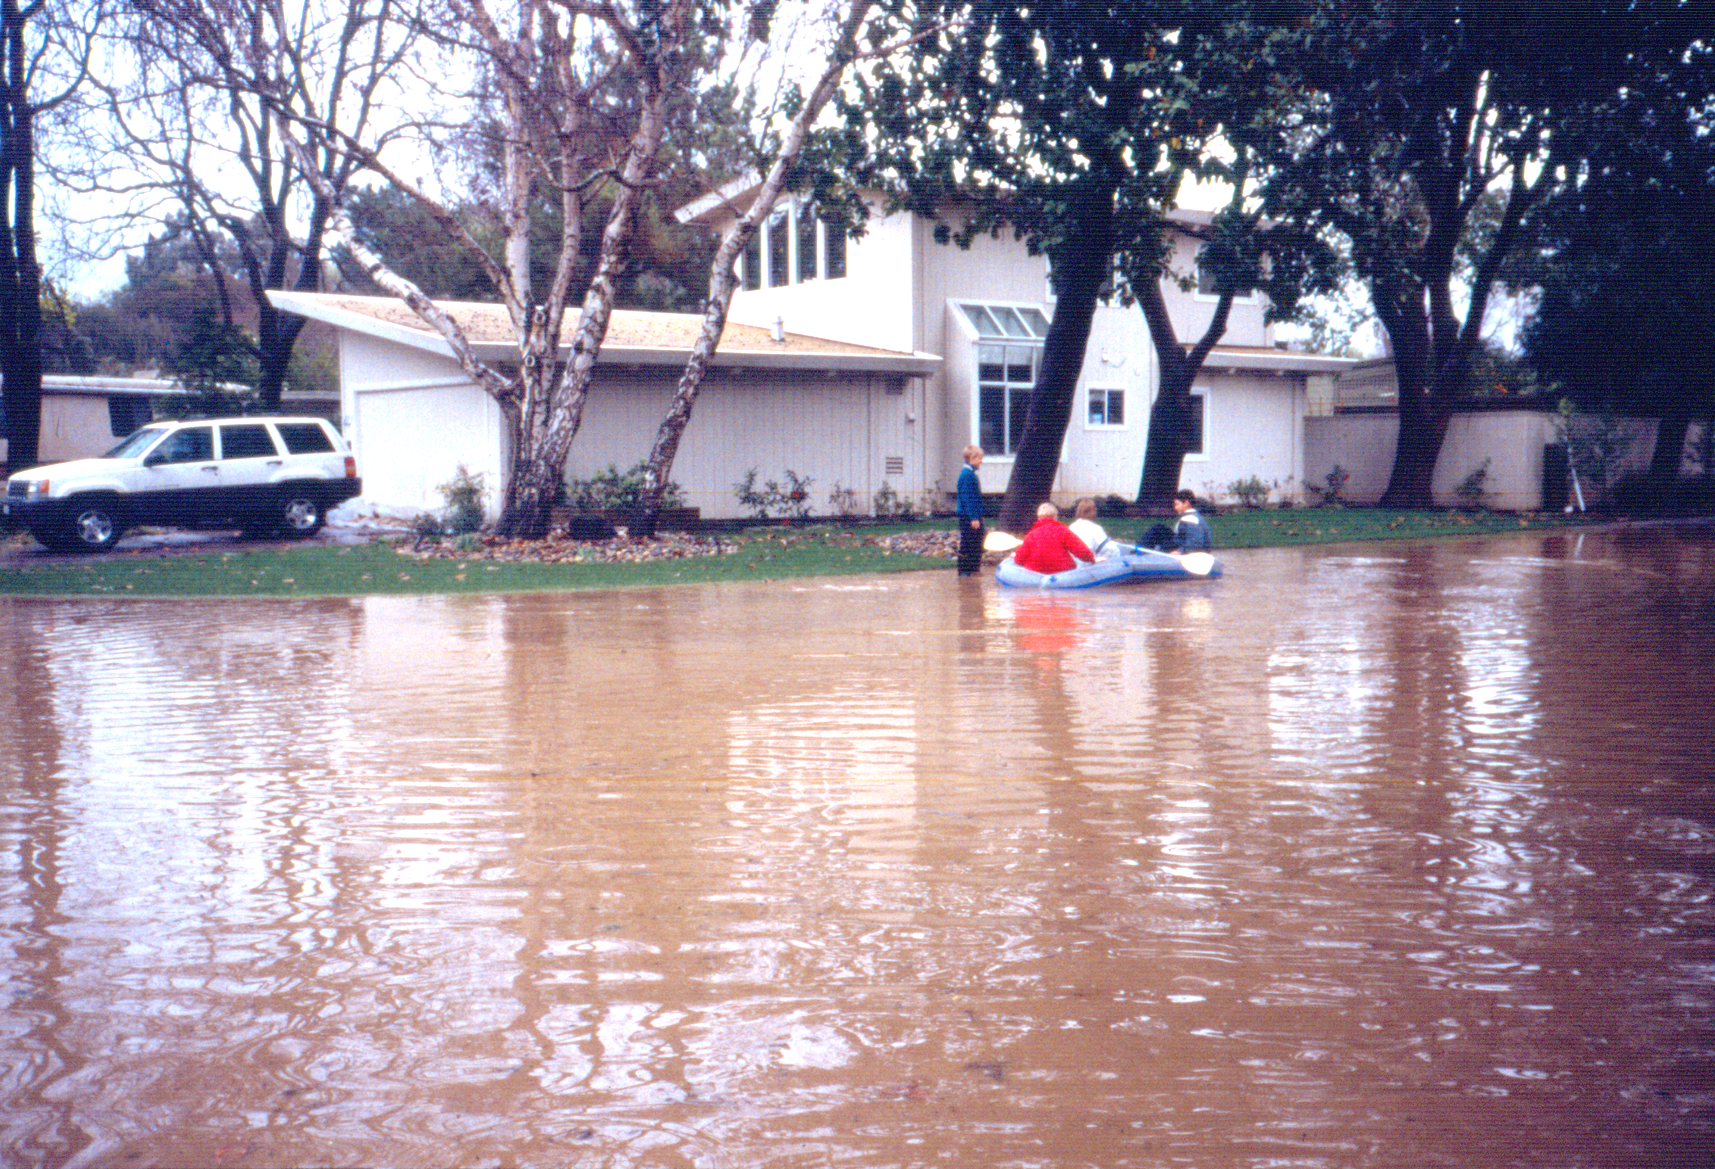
x,y
211,470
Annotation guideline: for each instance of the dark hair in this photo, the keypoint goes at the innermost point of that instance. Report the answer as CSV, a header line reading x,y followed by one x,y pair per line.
x,y
1185,493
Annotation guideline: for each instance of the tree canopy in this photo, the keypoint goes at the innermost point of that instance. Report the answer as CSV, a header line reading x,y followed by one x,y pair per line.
x,y
1075,127
1430,135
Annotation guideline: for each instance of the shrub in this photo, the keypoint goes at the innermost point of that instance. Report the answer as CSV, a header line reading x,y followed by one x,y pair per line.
x,y
771,497
1252,492
845,501
890,504
464,502
1330,495
616,490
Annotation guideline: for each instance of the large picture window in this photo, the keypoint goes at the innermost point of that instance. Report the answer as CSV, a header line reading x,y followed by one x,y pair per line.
x,y
1009,356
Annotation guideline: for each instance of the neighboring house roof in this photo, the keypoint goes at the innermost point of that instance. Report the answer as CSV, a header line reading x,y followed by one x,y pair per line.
x,y
1256,359
65,383
633,337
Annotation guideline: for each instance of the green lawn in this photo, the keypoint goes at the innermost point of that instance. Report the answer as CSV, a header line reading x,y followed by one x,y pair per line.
x,y
755,554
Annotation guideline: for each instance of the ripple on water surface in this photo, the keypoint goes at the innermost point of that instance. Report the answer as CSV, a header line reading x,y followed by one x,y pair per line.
x,y
1340,860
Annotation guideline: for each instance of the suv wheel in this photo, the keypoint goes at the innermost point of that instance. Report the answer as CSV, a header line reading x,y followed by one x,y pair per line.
x,y
93,525
300,513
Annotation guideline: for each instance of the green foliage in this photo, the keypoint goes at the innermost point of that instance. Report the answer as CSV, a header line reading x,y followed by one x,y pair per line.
x,y
1329,492
463,493
1429,136
1251,492
1597,445
616,490
890,504
792,499
216,361
845,501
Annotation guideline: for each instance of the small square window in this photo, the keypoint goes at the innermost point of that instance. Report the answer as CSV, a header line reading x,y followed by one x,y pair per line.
x,y
1107,406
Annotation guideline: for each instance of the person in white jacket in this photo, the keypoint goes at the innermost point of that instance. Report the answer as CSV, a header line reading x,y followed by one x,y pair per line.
x,y
1090,532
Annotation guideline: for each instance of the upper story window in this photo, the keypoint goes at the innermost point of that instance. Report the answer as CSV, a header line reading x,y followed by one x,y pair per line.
x,y
795,245
1009,357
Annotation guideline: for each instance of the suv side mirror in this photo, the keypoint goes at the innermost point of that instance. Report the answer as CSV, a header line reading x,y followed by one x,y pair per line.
x,y
154,459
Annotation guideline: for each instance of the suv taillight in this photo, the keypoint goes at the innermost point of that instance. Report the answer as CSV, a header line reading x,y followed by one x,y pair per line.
x,y
351,466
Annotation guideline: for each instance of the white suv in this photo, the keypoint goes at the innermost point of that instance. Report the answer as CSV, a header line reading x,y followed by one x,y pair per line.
x,y
263,475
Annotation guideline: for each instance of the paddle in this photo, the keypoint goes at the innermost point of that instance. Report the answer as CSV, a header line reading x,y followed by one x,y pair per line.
x,y
1197,563
999,541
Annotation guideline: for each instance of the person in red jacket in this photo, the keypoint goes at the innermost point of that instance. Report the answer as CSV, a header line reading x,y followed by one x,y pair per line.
x,y
1050,545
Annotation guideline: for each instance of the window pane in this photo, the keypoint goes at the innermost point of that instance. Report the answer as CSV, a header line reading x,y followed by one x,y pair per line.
x,y
991,363
1116,407
302,438
1010,321
806,244
192,445
1194,427
991,418
1018,402
834,241
753,262
250,441
1037,322
125,413
1098,408
779,241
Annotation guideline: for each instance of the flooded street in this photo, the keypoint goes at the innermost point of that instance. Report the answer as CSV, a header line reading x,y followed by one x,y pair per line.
x,y
1370,855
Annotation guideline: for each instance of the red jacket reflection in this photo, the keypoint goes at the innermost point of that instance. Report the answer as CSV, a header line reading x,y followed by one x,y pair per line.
x,y
1049,547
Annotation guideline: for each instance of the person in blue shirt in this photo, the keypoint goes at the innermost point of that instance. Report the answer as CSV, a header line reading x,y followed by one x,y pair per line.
x,y
1190,534
970,513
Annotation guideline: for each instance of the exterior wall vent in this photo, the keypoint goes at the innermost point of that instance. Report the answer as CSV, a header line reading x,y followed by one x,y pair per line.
x,y
895,465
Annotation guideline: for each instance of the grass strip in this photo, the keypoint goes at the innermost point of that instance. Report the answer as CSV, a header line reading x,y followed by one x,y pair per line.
x,y
380,568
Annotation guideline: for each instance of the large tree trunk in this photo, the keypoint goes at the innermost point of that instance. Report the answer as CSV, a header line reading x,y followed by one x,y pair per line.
x,y
1078,286
1170,416
20,274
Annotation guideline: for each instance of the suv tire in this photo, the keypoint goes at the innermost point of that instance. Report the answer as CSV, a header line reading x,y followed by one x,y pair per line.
x,y
300,513
92,525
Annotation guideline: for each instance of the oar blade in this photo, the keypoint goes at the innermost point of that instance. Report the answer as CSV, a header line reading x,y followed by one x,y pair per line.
x,y
999,541
1198,563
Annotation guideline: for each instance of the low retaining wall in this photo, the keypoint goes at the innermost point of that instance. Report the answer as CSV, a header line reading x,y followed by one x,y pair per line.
x,y
1510,441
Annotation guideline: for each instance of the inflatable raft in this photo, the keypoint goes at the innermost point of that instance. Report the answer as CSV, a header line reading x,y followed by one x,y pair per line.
x,y
1139,564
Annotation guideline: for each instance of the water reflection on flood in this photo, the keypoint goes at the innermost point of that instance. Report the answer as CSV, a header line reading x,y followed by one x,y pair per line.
x,y
1399,855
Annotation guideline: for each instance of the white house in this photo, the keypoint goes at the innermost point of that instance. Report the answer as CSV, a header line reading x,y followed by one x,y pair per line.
x,y
865,364
985,311
845,415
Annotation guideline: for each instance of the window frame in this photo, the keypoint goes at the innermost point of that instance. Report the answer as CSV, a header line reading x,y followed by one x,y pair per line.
x,y
1015,331
1200,394
762,256
1108,390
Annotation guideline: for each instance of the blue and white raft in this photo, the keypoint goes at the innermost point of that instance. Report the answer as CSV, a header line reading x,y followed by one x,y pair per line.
x,y
1132,565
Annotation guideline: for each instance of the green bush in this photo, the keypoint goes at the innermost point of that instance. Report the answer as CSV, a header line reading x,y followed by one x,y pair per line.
x,y
463,494
616,490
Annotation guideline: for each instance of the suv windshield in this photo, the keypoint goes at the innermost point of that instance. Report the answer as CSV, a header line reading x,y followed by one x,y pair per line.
x,y
136,444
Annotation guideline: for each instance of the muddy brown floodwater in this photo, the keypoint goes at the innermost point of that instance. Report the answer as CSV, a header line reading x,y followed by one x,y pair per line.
x,y
1381,855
